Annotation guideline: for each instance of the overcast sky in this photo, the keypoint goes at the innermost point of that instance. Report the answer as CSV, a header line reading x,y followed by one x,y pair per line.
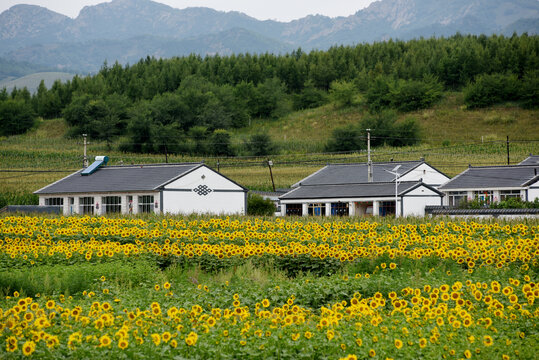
x,y
283,10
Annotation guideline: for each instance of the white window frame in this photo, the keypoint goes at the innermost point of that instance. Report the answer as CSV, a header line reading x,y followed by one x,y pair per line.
x,y
87,205
145,207
455,198
112,204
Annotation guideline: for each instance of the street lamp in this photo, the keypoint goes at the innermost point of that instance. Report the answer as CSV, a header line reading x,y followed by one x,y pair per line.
x,y
394,172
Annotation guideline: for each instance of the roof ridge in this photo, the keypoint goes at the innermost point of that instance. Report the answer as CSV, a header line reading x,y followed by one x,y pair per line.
x,y
153,165
377,162
504,166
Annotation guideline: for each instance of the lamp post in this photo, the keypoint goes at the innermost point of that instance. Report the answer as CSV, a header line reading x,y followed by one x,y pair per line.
x,y
394,172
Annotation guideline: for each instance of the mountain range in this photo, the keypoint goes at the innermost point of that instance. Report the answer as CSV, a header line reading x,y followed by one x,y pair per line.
x,y
128,30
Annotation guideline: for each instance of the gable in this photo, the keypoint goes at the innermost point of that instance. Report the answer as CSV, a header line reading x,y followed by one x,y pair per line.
x,y
427,173
422,191
203,176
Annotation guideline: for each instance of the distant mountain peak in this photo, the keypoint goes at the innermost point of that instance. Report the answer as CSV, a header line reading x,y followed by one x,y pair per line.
x,y
36,34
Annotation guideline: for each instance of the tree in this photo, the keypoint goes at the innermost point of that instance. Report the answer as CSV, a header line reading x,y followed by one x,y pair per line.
x,y
342,93
220,143
260,145
139,131
409,95
490,89
346,139
199,134
16,117
310,97
378,95
271,99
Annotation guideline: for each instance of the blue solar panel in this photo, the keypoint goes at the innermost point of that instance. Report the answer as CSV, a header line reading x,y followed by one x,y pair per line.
x,y
92,168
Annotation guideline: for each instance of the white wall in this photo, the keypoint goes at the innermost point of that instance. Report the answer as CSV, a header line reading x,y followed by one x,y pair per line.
x,y
415,206
533,193
414,202
225,196
429,175
218,203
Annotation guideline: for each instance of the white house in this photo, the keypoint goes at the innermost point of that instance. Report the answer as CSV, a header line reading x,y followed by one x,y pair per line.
x,y
156,188
345,190
494,183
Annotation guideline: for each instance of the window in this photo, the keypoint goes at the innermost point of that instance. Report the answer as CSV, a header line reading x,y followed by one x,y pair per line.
x,y
112,204
339,209
54,202
86,205
317,209
294,209
457,197
387,208
507,194
484,196
145,204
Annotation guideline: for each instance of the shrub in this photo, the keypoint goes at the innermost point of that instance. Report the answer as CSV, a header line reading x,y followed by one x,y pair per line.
x,y
257,205
491,89
260,145
346,139
414,95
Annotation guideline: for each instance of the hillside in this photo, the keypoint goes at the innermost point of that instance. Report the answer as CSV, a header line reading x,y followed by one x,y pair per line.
x,y
33,33
31,82
452,138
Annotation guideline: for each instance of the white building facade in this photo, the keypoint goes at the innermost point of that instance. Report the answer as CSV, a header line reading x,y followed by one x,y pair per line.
x,y
137,189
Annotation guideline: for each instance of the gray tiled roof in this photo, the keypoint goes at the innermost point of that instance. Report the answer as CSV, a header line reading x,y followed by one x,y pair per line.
x,y
119,179
351,190
530,160
489,177
357,173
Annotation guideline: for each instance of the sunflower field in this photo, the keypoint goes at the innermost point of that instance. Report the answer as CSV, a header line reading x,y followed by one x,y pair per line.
x,y
275,288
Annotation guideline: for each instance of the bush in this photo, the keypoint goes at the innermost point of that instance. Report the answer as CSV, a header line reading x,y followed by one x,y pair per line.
x,y
220,144
346,139
491,89
260,145
414,95
257,205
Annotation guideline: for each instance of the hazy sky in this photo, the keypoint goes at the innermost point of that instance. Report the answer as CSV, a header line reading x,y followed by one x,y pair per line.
x,y
283,10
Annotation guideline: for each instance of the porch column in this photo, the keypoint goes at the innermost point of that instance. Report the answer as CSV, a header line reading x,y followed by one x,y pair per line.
x,y
76,204
125,204
351,208
328,209
304,209
375,208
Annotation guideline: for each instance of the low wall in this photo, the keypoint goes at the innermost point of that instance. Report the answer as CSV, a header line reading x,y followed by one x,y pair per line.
x,y
483,213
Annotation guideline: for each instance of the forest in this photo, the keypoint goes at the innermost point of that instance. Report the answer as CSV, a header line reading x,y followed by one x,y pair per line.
x,y
189,104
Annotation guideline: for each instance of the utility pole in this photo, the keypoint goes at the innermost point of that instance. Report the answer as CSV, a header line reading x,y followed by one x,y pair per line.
x,y
395,172
270,164
85,159
369,162
507,149
218,166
